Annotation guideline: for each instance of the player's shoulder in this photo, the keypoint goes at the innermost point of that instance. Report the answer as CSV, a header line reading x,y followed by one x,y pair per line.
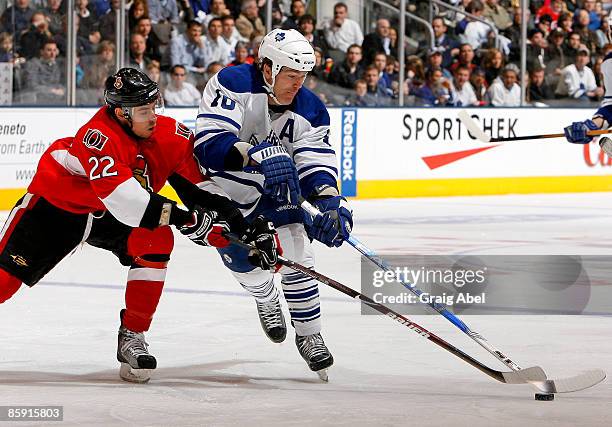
x,y
242,79
100,132
168,128
310,107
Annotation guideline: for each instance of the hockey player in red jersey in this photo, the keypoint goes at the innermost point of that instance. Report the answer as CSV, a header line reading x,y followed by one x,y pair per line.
x,y
100,187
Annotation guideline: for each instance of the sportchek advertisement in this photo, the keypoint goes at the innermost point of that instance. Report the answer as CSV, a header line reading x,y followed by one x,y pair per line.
x,y
383,152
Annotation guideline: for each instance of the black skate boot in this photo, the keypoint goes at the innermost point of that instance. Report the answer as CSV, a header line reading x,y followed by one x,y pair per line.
x,y
315,353
272,320
136,362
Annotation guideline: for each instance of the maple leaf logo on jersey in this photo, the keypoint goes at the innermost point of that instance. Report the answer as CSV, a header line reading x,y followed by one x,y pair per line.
x,y
94,139
141,173
182,130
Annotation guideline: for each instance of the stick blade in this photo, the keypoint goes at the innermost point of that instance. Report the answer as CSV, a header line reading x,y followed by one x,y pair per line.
x,y
524,376
579,382
472,126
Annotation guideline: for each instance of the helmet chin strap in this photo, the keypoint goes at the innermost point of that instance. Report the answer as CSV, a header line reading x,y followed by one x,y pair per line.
x,y
270,87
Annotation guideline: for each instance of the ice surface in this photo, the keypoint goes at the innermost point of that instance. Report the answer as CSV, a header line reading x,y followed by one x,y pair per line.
x,y
216,367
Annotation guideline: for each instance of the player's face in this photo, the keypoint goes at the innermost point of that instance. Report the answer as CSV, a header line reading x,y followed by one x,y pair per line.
x,y
287,84
144,119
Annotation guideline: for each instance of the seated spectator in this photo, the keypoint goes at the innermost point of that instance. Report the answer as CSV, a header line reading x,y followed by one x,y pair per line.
x,y
476,32
493,64
392,69
535,48
594,18
462,91
376,42
217,10
581,26
138,47
17,17
350,70
320,70
479,83
444,43
213,68
215,47
552,8
307,25
45,77
341,32
88,23
278,19
230,34
415,71
565,22
54,12
298,9
466,58
163,11
188,49
545,25
380,62
506,93
154,73
497,14
241,55
381,96
539,90
108,20
361,97
574,43
180,93
152,42
514,34
255,43
602,33
102,66
138,9
577,80
554,55
33,39
435,91
6,48
249,23
434,60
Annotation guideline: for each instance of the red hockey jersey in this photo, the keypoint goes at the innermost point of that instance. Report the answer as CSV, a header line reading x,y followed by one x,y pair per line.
x,y
103,167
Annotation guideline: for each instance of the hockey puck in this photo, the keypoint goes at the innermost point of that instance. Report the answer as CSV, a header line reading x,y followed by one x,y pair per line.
x,y
544,396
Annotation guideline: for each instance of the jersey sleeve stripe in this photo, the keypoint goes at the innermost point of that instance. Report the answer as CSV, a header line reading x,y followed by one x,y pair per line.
x,y
128,202
314,150
208,132
219,117
311,167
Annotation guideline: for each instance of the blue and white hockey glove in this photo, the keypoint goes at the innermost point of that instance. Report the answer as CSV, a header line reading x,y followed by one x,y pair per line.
x,y
280,175
335,223
577,132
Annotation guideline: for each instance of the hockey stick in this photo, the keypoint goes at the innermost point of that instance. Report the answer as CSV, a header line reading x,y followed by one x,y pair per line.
x,y
520,376
475,130
564,385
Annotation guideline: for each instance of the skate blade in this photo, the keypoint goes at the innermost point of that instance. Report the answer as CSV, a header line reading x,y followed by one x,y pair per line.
x,y
129,374
323,375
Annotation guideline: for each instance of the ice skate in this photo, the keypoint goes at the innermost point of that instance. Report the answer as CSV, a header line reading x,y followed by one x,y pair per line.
x,y
272,320
315,353
136,362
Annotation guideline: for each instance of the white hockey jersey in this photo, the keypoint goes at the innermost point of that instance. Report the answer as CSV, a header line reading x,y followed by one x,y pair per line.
x,y
234,108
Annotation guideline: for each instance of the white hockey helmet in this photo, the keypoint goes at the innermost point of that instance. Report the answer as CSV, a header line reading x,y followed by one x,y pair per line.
x,y
286,48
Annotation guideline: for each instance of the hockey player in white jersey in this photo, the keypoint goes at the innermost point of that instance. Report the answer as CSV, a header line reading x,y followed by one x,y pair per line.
x,y
262,139
577,131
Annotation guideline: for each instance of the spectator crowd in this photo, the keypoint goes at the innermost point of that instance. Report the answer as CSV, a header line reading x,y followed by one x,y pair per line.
x,y
474,60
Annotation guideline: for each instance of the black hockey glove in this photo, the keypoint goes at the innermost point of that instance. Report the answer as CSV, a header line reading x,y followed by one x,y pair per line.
x,y
263,236
206,228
